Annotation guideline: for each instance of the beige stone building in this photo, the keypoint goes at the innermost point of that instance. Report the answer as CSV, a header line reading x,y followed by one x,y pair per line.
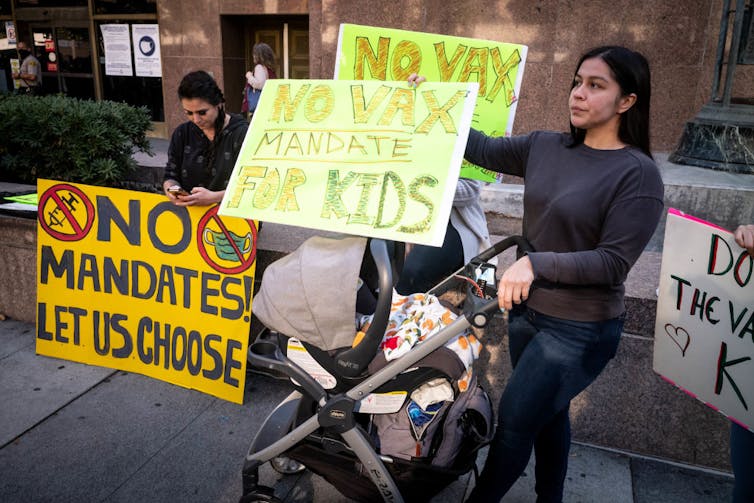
x,y
679,39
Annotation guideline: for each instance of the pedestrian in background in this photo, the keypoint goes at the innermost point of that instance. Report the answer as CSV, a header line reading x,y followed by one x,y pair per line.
x,y
203,150
592,200
264,63
30,71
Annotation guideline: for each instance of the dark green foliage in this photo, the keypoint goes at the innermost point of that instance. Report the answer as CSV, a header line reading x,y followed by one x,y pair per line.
x,y
69,139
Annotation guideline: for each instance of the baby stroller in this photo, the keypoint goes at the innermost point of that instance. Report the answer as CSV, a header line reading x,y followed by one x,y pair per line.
x,y
351,411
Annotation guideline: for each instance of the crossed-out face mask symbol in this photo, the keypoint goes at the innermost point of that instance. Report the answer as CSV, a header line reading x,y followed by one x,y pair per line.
x,y
223,246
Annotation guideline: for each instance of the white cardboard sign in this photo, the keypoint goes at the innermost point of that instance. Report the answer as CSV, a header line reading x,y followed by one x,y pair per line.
x,y
704,331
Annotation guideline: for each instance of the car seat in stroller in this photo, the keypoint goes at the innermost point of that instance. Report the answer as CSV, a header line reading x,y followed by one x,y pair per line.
x,y
342,418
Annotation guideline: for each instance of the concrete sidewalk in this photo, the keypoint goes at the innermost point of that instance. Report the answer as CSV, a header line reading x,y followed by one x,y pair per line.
x,y
73,432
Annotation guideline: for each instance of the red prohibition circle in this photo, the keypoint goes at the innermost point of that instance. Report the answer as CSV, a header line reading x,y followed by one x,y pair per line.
x,y
212,216
53,195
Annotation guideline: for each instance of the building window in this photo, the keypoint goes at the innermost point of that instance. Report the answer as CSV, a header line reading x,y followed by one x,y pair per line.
x,y
125,6
136,91
51,3
74,62
7,51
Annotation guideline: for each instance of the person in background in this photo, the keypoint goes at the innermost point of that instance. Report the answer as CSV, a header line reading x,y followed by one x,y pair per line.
x,y
264,62
742,439
592,200
203,150
465,238
30,71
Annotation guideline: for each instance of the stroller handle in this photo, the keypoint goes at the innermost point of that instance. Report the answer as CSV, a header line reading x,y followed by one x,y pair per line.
x,y
479,310
502,245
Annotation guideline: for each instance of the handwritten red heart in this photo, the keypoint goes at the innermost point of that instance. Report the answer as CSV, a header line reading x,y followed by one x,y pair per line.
x,y
680,336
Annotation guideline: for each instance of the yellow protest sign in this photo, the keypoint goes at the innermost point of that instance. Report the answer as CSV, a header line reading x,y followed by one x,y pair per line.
x,y
374,53
369,158
127,280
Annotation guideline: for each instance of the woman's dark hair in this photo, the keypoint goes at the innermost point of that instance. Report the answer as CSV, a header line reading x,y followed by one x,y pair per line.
x,y
631,70
201,85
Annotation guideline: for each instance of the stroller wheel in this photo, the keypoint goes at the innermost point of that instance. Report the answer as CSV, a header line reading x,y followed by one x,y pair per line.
x,y
286,466
261,494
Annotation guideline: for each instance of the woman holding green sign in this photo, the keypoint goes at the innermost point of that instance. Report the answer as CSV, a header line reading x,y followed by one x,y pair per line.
x,y
592,200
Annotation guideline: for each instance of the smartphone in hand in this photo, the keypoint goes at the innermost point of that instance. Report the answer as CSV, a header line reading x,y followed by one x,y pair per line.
x,y
177,190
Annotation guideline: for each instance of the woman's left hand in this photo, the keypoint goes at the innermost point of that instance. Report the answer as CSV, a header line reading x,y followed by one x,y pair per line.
x,y
744,236
514,285
200,196
415,79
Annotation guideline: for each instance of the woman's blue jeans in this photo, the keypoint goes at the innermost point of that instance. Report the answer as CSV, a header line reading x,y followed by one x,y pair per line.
x,y
553,361
742,459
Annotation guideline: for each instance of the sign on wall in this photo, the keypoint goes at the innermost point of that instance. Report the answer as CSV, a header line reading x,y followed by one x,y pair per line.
x,y
117,50
369,158
372,53
10,33
146,39
128,280
704,332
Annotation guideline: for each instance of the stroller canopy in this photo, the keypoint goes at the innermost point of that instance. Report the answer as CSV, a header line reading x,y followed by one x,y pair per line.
x,y
310,294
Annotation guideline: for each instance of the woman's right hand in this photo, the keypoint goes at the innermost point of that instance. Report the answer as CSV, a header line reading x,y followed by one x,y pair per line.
x,y
415,79
515,283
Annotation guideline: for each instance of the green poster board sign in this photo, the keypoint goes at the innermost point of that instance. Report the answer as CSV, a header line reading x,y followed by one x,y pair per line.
x,y
373,53
370,158
30,199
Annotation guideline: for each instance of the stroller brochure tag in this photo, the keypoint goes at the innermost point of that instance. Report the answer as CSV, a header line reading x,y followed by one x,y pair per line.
x,y
301,357
382,403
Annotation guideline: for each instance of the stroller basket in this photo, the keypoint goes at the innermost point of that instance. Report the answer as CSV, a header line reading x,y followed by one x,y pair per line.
x,y
415,481
329,430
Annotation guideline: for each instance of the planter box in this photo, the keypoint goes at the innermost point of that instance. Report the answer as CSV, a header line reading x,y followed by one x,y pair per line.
x,y
18,268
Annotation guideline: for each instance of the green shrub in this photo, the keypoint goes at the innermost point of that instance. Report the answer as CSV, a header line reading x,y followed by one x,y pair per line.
x,y
70,139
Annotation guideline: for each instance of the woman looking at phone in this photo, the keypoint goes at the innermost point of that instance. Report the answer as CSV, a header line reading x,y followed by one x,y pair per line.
x,y
203,150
